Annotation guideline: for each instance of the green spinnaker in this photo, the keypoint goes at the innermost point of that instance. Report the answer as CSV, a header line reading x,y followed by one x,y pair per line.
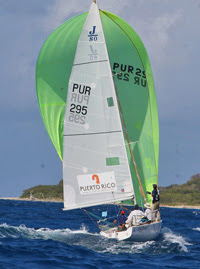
x,y
133,80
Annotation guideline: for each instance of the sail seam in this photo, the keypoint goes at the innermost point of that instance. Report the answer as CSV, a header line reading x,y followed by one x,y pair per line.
x,y
91,62
94,133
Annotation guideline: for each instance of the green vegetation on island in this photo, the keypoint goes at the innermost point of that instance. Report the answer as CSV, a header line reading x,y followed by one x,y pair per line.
x,y
46,192
185,194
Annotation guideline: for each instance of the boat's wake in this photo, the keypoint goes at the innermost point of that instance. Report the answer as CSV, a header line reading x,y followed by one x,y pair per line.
x,y
168,242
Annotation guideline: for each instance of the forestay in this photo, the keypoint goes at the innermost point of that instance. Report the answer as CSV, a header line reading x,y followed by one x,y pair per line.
x,y
95,165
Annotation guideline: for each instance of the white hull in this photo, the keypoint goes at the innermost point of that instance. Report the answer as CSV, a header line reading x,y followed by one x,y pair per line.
x,y
144,232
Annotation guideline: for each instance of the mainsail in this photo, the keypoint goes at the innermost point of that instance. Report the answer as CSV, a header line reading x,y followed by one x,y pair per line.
x,y
134,84
95,164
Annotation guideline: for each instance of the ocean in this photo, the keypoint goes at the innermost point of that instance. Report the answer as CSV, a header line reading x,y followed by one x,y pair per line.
x,y
42,235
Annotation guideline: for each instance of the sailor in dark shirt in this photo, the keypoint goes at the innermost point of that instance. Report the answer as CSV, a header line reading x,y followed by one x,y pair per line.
x,y
121,220
155,201
155,194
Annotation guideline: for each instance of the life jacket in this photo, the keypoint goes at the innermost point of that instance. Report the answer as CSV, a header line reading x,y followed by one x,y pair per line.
x,y
121,219
155,196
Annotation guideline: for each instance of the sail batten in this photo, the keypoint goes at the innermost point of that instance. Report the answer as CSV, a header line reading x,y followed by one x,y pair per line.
x,y
91,62
119,131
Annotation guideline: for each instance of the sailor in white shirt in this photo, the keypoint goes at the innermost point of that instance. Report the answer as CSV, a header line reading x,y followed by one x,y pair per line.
x,y
135,216
148,212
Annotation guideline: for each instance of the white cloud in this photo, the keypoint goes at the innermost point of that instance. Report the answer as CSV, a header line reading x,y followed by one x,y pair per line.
x,y
23,35
61,10
167,30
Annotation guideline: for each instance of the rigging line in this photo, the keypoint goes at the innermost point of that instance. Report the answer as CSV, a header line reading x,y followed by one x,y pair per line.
x,y
123,207
132,142
91,218
97,217
131,152
100,219
91,62
94,133
149,76
117,213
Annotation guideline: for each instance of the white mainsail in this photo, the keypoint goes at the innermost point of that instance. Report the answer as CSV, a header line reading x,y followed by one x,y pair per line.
x,y
95,164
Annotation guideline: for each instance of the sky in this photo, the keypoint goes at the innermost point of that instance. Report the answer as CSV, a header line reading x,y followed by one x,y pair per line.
x,y
169,30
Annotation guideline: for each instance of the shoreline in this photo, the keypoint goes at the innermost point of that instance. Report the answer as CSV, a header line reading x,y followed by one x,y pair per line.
x,y
33,200
61,201
182,206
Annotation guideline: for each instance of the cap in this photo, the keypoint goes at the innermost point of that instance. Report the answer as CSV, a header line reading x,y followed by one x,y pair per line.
x,y
122,212
147,205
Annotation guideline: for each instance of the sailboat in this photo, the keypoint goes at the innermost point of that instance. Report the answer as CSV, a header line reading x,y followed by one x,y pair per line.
x,y
96,96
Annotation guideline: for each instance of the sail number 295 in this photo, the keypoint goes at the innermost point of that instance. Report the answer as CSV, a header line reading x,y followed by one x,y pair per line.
x,y
78,109
77,113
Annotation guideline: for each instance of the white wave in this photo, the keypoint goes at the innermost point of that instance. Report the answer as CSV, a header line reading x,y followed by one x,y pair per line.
x,y
95,241
2,235
142,245
196,229
171,237
41,233
116,247
196,212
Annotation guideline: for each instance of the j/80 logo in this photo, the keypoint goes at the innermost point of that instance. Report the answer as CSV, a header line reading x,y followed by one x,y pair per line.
x,y
92,35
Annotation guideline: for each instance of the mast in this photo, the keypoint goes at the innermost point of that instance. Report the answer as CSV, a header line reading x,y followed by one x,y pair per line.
x,y
129,145
126,133
124,126
123,123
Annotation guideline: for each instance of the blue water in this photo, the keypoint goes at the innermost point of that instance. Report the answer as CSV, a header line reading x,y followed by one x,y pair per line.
x,y
41,235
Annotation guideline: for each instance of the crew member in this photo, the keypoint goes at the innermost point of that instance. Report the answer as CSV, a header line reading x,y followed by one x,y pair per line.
x,y
121,220
135,216
148,212
155,201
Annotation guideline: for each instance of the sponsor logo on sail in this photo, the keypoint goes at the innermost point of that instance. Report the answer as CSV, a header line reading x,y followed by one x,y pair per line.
x,y
97,183
92,35
94,54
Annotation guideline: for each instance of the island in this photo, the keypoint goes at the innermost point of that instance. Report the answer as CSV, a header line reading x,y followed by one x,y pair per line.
x,y
184,195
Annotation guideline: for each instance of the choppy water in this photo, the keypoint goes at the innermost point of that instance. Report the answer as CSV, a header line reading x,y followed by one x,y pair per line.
x,y
41,235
